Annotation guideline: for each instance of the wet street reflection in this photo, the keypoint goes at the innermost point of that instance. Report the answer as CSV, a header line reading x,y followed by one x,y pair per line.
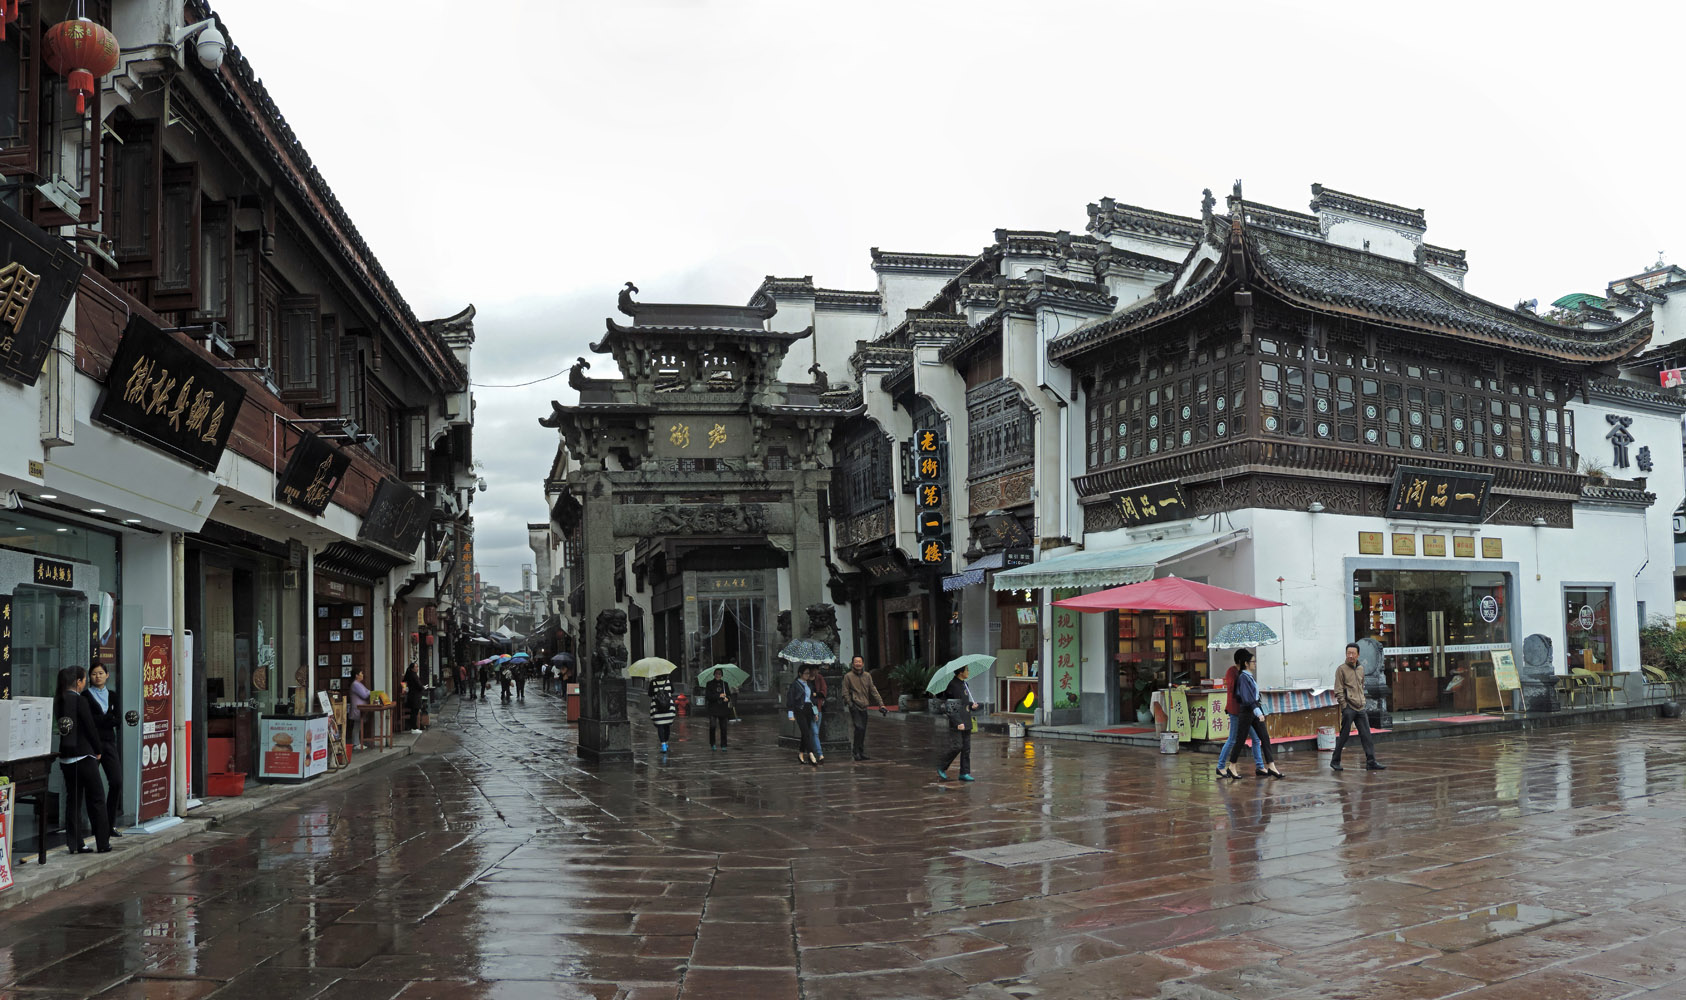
x,y
493,864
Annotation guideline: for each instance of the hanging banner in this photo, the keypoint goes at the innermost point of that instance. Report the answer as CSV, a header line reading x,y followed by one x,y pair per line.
x,y
1176,711
5,646
157,720
7,797
1064,681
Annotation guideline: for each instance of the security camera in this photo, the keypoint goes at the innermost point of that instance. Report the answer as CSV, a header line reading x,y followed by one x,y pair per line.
x,y
482,484
211,47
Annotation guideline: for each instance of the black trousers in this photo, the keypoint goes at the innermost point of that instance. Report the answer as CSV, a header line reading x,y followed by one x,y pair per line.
x,y
112,766
959,745
521,687
1348,717
857,718
1261,735
662,729
82,790
717,722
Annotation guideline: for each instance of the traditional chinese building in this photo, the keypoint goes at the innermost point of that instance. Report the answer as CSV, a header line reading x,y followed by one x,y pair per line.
x,y
694,481
1310,408
226,422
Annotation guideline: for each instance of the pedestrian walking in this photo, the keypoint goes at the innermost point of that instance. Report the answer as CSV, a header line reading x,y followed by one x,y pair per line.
x,y
1240,712
860,694
1349,695
521,681
816,681
506,677
485,680
960,707
462,680
717,699
544,678
359,698
1247,717
108,721
413,697
662,712
79,761
799,708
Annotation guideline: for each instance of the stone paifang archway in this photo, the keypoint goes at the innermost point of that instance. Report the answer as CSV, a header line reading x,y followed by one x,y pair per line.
x,y
697,439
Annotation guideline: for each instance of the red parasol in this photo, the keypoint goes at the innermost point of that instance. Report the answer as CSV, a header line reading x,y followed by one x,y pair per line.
x,y
1171,593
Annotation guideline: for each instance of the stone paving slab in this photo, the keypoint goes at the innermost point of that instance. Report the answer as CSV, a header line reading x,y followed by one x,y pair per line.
x,y
492,863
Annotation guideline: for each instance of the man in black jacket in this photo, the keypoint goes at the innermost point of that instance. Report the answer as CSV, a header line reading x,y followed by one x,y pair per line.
x,y
79,756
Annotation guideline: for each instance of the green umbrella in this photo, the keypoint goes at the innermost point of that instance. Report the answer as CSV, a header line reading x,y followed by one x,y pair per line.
x,y
652,666
734,674
972,661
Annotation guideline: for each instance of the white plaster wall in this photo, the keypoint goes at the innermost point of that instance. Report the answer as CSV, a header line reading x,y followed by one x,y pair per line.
x,y
1668,321
836,332
1384,241
1162,247
146,604
1133,286
795,314
901,292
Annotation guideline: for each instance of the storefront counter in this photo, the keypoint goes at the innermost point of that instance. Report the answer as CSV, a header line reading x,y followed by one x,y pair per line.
x,y
292,747
1299,711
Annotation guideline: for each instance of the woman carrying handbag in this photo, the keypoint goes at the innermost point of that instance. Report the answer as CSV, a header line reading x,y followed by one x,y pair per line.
x,y
1245,696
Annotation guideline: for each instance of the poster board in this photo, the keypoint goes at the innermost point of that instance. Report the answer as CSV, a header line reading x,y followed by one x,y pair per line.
x,y
334,709
158,707
1504,670
8,796
1177,718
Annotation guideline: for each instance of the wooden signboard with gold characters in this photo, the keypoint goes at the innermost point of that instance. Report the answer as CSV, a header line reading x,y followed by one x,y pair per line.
x,y
163,392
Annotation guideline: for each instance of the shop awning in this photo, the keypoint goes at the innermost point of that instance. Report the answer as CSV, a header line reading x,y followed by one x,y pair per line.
x,y
1111,567
974,574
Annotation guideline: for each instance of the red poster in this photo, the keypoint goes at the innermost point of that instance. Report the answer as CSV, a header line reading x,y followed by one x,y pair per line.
x,y
157,719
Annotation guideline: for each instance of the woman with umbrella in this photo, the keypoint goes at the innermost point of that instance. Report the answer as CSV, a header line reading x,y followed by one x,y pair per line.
x,y
662,710
960,707
717,698
1247,713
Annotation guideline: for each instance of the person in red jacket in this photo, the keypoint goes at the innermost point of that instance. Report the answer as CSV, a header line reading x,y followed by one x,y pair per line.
x,y
1247,713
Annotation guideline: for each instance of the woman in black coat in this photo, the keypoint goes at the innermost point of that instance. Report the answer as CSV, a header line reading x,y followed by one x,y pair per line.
x,y
108,718
718,697
413,696
79,756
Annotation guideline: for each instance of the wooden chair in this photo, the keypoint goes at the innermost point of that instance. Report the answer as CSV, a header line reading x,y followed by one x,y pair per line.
x,y
1595,682
1657,682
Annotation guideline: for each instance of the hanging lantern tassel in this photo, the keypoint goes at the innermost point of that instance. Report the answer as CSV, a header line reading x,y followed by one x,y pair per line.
x,y
83,51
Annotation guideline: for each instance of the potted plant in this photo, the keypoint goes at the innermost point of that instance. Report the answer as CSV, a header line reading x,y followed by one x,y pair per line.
x,y
911,676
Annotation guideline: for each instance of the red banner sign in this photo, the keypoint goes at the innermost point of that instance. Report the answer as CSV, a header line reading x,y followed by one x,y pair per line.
x,y
157,719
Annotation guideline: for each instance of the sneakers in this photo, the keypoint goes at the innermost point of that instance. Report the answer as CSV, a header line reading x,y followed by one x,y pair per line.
x,y
942,773
415,732
966,777
664,748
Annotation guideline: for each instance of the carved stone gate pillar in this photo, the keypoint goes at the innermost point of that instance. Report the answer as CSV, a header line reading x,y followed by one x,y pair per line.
x,y
604,733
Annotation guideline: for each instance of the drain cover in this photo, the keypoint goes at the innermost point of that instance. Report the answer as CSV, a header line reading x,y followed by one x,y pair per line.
x,y
1029,853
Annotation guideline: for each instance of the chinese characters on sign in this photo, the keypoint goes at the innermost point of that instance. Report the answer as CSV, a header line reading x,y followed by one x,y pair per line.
x,y
927,455
1064,687
38,278
933,552
161,390
1151,504
930,496
5,645
1438,495
396,519
312,474
52,573
157,665
1643,459
1619,437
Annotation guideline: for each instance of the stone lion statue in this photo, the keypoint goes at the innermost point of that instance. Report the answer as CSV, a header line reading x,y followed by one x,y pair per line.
x,y
822,623
610,653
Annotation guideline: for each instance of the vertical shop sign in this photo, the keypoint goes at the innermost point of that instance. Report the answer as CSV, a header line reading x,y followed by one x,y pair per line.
x,y
1066,680
5,645
7,797
157,719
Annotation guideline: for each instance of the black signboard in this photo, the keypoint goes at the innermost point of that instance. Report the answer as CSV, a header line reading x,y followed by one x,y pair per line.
x,y
929,496
52,573
882,568
312,474
38,278
1151,504
396,519
161,391
1003,531
1017,557
930,524
933,552
1439,494
5,645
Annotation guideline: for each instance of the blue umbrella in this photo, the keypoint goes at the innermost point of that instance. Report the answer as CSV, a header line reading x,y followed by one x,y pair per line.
x,y
1238,635
808,651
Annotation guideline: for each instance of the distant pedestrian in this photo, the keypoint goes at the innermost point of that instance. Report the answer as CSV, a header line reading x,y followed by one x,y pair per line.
x,y
462,680
1349,695
1238,724
413,697
108,718
859,693
485,680
506,677
79,762
799,708
662,711
717,699
960,707
521,681
359,698
544,678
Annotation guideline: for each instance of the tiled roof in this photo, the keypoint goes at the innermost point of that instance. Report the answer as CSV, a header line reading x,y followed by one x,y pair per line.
x,y
1109,216
1326,277
837,298
1323,198
889,260
1433,256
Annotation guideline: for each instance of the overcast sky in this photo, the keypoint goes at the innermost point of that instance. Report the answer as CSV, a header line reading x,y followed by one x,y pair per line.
x,y
529,157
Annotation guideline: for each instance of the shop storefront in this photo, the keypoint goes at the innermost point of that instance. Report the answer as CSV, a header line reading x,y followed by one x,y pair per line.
x,y
1153,651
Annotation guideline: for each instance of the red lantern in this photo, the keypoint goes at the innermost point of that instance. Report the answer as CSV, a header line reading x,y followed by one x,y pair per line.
x,y
8,14
82,52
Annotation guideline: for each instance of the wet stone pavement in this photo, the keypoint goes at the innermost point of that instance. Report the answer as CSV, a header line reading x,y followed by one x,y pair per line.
x,y
492,864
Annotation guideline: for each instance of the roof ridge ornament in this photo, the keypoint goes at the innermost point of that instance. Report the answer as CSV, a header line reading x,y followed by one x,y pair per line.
x,y
625,303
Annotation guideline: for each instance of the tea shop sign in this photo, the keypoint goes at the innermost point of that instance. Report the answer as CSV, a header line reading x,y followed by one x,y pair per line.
x,y
161,391
1151,504
1439,494
38,278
